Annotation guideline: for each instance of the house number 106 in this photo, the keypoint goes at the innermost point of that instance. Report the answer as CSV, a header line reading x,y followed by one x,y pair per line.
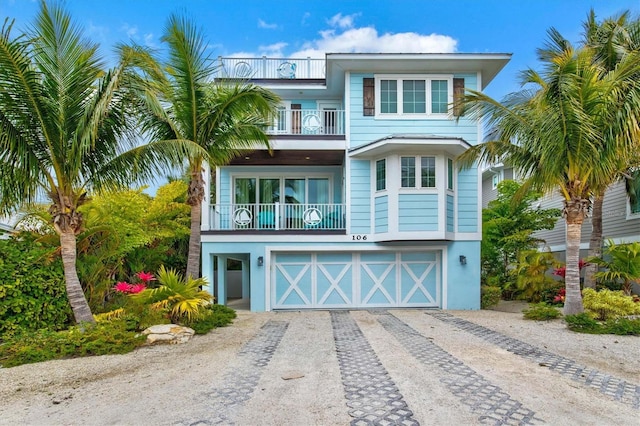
x,y
359,237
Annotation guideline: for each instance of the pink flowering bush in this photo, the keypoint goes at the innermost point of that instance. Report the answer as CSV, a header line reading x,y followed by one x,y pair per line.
x,y
126,288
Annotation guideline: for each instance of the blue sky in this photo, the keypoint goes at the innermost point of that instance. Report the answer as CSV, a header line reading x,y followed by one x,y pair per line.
x,y
299,28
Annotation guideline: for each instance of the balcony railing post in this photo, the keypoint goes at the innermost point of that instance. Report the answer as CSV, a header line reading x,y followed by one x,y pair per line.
x,y
264,67
277,215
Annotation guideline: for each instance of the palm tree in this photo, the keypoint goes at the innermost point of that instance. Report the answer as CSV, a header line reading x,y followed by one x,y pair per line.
x,y
611,39
184,104
552,132
65,130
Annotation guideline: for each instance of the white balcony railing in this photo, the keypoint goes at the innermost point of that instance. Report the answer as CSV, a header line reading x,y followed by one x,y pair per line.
x,y
308,122
277,217
270,68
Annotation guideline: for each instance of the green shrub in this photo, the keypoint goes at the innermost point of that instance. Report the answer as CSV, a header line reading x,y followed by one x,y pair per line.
x,y
490,296
607,304
44,345
622,326
214,316
32,288
541,312
583,323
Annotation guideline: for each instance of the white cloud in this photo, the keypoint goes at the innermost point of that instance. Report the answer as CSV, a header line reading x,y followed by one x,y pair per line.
x,y
306,16
263,24
367,40
343,22
149,40
131,32
273,50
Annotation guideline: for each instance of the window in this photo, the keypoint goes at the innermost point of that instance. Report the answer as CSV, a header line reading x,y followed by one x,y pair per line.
x,y
270,190
381,175
496,179
427,172
633,189
412,96
449,174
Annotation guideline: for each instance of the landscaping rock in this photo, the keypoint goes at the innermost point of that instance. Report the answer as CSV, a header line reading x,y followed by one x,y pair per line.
x,y
168,333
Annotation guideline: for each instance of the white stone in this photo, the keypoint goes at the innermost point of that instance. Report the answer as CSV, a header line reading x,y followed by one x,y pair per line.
x,y
168,333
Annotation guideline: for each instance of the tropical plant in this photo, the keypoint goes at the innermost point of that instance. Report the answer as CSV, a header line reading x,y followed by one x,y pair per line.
x,y
623,264
182,103
606,304
32,294
554,128
507,227
65,130
182,298
541,312
611,39
531,273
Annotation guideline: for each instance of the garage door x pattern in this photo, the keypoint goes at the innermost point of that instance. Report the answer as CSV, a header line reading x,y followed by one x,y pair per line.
x,y
356,280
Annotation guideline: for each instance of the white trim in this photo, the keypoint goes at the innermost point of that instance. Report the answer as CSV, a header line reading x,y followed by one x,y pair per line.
x,y
427,78
585,246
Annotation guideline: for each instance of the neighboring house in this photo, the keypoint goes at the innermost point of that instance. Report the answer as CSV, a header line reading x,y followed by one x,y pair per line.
x,y
620,219
360,204
7,226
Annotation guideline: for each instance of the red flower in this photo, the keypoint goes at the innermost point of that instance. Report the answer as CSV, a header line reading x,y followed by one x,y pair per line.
x,y
137,288
145,277
122,287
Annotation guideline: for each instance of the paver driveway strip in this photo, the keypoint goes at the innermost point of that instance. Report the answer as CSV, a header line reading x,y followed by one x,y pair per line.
x,y
236,375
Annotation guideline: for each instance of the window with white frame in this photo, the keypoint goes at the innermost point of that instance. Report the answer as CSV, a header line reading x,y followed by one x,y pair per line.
x,y
409,166
381,175
411,96
496,179
449,174
634,194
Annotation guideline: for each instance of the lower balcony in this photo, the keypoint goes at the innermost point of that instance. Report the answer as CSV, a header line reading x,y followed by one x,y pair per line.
x,y
292,218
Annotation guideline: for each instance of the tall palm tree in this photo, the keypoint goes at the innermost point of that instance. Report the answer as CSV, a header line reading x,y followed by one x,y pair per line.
x,y
552,132
611,39
184,103
65,130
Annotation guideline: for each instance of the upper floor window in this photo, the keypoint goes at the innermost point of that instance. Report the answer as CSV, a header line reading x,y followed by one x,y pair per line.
x,y
381,175
633,190
496,179
427,167
412,96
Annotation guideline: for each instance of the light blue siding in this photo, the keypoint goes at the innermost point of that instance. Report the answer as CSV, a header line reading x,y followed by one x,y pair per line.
x,y
360,197
463,287
450,214
366,129
382,214
418,212
468,200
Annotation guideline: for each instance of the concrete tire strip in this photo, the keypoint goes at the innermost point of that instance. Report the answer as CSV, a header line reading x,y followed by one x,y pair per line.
x,y
372,396
240,383
614,387
494,405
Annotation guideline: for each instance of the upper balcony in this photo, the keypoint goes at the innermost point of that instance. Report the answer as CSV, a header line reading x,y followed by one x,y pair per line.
x,y
271,68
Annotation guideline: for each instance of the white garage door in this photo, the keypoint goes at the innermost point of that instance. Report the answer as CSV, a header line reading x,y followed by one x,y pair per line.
x,y
355,280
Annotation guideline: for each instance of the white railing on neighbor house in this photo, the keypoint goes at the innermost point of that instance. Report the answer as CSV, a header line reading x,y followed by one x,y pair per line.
x,y
308,122
277,217
270,68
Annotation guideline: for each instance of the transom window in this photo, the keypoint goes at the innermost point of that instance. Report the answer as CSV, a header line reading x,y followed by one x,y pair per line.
x,y
413,95
427,168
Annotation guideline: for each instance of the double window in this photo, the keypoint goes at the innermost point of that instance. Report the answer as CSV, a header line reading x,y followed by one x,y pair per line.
x,y
413,96
418,172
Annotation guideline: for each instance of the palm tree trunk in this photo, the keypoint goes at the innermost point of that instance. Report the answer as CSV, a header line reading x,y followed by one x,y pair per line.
x,y
193,260
595,243
195,196
79,305
574,213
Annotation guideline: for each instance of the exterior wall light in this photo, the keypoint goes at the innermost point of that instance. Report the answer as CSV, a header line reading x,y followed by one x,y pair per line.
x,y
260,260
463,260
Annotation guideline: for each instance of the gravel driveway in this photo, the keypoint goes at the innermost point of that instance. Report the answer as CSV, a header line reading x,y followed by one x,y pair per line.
x,y
345,367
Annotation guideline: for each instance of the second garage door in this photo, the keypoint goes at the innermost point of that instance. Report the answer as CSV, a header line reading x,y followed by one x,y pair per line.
x,y
355,280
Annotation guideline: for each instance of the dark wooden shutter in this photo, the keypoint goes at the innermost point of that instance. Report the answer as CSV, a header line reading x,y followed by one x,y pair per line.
x,y
296,119
368,97
458,94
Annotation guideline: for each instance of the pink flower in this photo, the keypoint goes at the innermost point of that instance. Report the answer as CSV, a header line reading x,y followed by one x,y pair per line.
x,y
122,287
137,288
145,277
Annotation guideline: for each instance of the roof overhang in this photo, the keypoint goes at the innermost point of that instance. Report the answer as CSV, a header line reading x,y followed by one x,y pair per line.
x,y
410,144
488,64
